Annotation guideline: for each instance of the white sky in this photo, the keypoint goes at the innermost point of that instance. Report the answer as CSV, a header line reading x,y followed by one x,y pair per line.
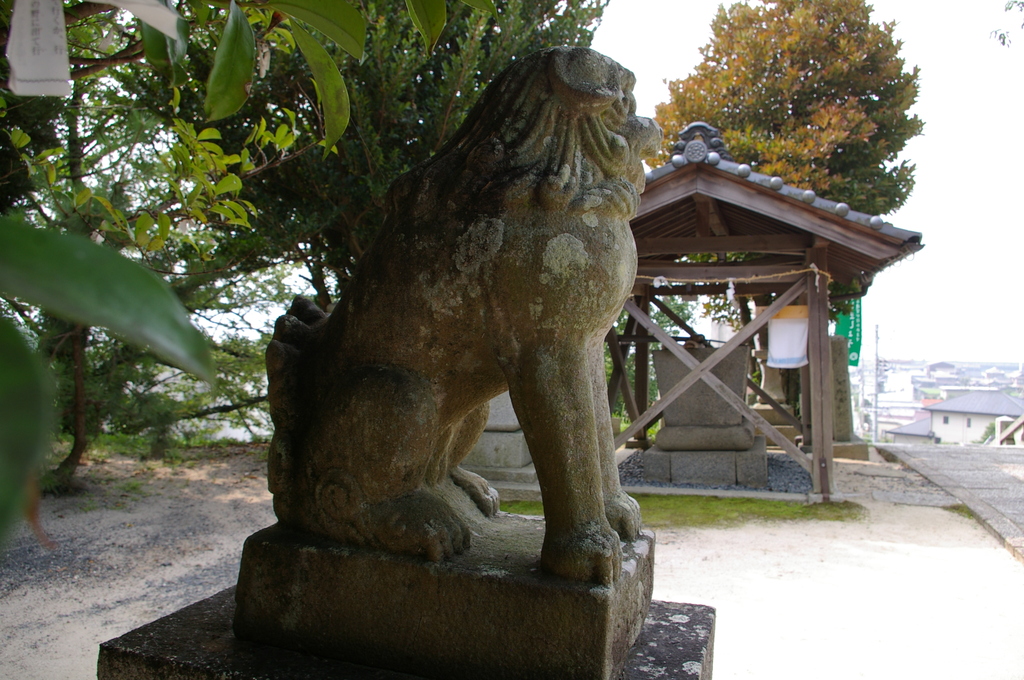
x,y
961,298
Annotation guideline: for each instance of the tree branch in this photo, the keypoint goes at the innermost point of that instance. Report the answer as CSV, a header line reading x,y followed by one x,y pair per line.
x,y
226,408
132,53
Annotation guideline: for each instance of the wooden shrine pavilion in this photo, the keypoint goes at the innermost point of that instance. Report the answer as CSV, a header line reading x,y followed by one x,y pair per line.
x,y
795,243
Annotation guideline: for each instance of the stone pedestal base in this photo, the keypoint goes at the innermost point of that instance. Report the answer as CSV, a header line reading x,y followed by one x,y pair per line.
x,y
499,450
196,643
712,468
856,450
488,613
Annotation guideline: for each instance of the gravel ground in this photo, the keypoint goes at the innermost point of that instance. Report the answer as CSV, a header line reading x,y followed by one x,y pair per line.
x,y
910,592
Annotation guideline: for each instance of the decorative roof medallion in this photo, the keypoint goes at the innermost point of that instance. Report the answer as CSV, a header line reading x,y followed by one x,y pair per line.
x,y
698,141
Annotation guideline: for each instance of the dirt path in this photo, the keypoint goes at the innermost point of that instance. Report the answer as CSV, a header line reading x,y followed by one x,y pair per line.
x,y
911,592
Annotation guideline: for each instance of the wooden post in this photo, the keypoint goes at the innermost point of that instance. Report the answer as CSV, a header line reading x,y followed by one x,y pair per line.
x,y
820,372
641,363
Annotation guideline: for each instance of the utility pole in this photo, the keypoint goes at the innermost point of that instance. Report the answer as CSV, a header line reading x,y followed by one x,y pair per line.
x,y
878,369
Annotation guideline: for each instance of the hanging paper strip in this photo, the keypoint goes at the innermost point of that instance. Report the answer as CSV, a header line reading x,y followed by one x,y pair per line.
x,y
37,47
787,337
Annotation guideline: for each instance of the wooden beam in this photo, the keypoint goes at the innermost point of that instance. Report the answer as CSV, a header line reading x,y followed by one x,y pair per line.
x,y
710,215
744,289
764,243
1014,426
620,379
668,190
675,318
715,272
820,370
641,367
701,371
793,212
776,406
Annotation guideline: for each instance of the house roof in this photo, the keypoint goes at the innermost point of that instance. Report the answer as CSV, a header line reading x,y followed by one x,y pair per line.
x,y
982,403
705,202
918,428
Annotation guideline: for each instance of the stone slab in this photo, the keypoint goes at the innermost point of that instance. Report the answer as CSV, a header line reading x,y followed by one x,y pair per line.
x,y
657,465
197,643
489,612
842,404
752,465
713,468
502,417
499,450
701,405
771,415
851,450
519,475
706,437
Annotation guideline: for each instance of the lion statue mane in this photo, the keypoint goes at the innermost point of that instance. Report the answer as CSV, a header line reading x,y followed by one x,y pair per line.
x,y
501,264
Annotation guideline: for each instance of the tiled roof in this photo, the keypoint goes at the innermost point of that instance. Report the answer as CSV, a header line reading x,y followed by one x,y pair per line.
x,y
982,403
918,428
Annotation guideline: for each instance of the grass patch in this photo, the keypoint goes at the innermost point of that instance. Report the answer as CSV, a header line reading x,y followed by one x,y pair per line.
x,y
960,509
660,512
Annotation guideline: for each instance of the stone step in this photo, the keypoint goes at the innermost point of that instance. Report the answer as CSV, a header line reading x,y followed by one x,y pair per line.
x,y
787,431
522,475
771,415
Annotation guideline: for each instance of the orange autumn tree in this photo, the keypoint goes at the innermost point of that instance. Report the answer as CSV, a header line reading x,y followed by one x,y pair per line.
x,y
810,90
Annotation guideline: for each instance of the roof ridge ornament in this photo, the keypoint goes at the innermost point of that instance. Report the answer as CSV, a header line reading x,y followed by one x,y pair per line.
x,y
699,143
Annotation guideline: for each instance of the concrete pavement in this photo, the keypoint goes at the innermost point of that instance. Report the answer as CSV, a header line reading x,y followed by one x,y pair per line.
x,y
987,479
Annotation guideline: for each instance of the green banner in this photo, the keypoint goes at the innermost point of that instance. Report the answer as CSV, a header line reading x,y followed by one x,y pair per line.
x,y
849,326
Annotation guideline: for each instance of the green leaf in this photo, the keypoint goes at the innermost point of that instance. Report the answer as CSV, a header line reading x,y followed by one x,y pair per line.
x,y
429,17
330,85
336,19
231,76
83,197
229,183
78,280
201,9
208,133
166,55
484,5
18,138
142,226
163,226
25,416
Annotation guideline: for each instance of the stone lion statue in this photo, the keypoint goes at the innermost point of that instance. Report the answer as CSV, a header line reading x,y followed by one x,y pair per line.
x,y
501,264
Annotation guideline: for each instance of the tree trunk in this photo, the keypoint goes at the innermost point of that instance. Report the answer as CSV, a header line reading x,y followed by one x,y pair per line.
x,y
66,470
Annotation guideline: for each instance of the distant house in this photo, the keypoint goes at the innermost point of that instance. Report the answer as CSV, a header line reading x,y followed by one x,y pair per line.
x,y
963,419
917,432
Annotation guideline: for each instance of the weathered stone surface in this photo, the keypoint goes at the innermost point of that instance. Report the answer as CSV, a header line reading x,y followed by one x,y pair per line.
x,y
752,465
713,468
855,450
500,265
196,643
842,404
520,475
771,415
706,437
677,643
499,449
489,612
700,419
657,465
503,416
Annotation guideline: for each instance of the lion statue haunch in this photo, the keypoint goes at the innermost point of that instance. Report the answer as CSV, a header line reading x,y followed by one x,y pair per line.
x,y
502,263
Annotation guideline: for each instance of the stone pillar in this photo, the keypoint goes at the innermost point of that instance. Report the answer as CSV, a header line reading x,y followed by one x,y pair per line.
x,y
501,454
842,409
704,439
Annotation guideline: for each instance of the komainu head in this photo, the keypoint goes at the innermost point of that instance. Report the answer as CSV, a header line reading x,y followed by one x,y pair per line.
x,y
552,127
